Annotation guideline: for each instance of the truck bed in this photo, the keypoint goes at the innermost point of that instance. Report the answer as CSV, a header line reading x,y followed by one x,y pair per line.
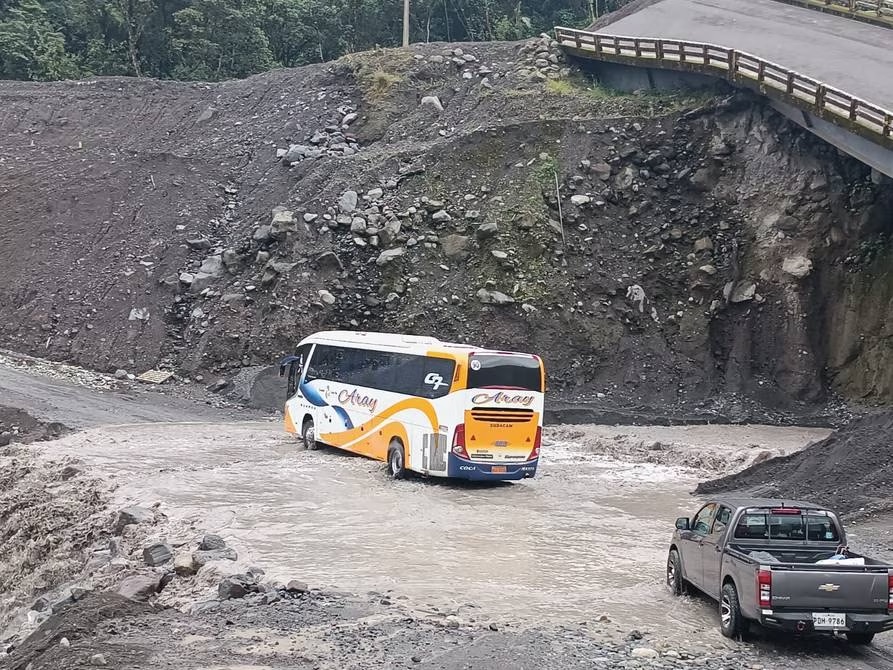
x,y
799,555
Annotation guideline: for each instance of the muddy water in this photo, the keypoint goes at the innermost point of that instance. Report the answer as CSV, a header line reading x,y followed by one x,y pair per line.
x,y
585,537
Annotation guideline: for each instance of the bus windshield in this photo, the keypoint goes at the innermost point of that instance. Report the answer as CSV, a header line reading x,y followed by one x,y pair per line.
x,y
505,371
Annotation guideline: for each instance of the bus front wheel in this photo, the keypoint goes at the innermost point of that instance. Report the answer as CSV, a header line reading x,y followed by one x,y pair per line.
x,y
308,435
396,461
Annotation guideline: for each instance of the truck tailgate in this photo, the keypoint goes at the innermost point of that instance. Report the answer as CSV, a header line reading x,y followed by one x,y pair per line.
x,y
828,588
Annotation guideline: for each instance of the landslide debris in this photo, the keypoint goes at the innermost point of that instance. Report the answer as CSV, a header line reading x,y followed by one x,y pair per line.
x,y
659,251
50,517
851,471
18,426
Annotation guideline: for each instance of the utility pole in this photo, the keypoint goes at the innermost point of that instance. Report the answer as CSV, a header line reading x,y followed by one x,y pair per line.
x,y
405,23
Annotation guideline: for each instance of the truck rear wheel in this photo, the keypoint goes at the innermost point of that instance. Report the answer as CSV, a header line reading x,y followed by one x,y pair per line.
x,y
860,638
731,623
674,573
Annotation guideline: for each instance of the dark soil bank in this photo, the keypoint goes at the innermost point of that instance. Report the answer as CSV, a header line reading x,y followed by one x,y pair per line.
x,y
850,471
690,251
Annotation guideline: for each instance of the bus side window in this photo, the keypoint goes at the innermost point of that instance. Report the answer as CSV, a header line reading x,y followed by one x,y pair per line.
x,y
296,369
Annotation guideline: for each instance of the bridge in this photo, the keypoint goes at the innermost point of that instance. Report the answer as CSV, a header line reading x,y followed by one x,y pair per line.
x,y
831,71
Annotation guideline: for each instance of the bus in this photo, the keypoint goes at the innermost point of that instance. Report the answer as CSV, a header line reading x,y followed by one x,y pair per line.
x,y
420,405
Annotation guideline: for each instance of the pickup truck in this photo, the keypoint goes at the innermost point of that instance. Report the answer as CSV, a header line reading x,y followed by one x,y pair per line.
x,y
782,564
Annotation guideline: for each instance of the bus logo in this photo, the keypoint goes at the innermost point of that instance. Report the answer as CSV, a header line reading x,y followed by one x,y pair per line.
x,y
502,399
434,380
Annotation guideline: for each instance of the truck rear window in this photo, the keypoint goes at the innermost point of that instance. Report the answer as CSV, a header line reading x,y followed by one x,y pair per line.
x,y
764,525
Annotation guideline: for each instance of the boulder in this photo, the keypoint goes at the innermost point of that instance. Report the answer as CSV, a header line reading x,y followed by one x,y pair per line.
x,y
201,558
455,246
390,255
140,587
156,554
741,291
601,170
797,266
347,203
131,515
236,586
703,244
297,586
494,297
487,230
184,565
431,101
211,542
580,200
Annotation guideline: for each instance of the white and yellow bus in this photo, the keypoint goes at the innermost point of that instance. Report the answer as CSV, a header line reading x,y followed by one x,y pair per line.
x,y
421,405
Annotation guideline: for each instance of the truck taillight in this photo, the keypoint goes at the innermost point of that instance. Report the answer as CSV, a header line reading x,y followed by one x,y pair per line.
x,y
890,592
459,442
764,588
537,441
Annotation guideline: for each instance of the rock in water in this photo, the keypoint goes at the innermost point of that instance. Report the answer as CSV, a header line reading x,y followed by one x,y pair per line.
x,y
236,586
131,515
297,586
211,542
156,554
201,558
184,565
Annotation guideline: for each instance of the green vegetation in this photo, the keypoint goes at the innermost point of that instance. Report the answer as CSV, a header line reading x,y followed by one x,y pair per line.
x,y
219,39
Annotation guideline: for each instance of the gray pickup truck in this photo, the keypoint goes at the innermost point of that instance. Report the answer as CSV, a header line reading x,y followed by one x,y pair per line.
x,y
762,560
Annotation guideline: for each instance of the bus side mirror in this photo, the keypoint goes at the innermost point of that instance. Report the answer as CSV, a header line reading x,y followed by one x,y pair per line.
x,y
683,524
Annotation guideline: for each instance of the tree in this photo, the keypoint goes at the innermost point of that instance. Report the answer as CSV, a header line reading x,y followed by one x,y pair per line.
x,y
134,15
30,48
217,39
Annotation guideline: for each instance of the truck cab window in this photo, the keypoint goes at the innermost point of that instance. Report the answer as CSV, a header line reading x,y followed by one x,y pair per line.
x,y
722,520
701,524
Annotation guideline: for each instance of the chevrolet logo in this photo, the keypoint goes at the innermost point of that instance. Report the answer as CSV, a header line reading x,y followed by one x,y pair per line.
x,y
830,588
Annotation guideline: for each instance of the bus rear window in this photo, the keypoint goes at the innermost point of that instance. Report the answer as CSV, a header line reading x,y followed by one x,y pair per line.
x,y
505,372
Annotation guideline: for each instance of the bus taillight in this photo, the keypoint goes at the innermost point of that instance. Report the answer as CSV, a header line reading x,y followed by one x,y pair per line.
x,y
459,442
535,452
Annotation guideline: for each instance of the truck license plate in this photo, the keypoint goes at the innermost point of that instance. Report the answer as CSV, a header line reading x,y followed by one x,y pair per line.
x,y
827,620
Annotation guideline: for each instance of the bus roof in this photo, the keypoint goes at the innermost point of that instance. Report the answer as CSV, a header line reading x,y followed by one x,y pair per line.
x,y
418,344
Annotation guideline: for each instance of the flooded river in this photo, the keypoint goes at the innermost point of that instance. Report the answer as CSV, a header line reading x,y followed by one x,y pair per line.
x,y
587,536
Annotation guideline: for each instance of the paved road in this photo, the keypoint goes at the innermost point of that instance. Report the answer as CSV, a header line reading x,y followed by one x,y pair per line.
x,y
847,54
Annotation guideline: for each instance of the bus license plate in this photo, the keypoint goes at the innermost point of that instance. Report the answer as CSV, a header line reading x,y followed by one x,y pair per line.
x,y
498,470
827,620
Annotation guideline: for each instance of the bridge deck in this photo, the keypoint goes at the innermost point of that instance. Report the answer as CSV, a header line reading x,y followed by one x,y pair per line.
x,y
852,56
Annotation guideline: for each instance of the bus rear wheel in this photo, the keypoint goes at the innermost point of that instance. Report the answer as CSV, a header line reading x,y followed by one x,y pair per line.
x,y
396,461
308,435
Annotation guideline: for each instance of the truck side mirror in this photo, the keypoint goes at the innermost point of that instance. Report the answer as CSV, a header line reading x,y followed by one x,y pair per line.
x,y
682,523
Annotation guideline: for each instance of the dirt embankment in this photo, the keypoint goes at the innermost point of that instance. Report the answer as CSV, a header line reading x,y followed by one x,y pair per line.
x,y
17,425
851,471
704,259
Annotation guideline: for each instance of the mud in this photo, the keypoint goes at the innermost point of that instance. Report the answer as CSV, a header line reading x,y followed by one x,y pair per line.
x,y
850,471
585,530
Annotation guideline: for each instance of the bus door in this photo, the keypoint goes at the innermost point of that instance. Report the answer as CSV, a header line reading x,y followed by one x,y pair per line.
x,y
292,367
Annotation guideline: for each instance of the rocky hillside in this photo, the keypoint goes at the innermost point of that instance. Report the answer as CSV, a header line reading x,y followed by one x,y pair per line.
x,y
657,251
